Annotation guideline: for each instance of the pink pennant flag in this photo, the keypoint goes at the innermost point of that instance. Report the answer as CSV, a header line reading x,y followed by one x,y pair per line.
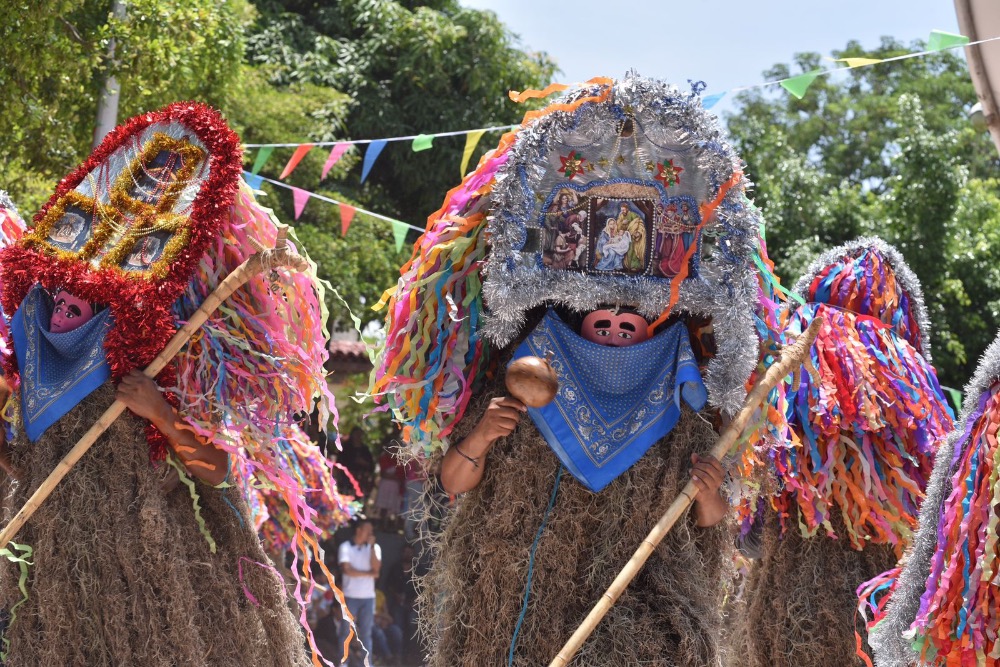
x,y
346,215
335,155
300,197
297,156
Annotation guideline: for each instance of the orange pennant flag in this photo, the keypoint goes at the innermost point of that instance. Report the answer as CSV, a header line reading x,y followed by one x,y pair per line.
x,y
297,156
346,215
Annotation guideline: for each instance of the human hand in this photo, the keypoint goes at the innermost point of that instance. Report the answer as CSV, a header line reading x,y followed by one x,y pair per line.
x,y
500,419
707,474
371,540
141,395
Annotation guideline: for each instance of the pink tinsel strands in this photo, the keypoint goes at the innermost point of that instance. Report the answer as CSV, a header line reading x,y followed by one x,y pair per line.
x,y
314,474
258,365
864,426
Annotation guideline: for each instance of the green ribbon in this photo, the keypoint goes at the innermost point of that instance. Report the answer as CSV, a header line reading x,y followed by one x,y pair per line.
x,y
189,483
769,277
22,583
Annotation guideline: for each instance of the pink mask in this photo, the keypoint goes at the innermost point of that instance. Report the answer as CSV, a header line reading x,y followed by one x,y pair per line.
x,y
69,313
605,327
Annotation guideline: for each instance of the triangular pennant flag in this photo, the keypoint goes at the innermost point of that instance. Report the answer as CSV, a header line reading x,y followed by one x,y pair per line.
x,y
336,153
955,395
374,148
422,142
262,155
710,101
299,198
253,180
798,85
346,215
857,62
940,40
293,162
399,230
471,140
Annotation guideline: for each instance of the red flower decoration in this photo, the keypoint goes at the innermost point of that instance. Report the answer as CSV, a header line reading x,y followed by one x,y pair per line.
x,y
572,164
668,174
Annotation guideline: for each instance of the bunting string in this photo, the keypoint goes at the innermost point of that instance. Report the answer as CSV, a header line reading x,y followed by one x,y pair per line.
x,y
347,211
797,86
410,138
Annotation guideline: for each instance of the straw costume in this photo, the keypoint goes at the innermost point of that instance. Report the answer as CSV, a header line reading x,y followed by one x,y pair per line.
x,y
942,605
621,193
841,493
131,560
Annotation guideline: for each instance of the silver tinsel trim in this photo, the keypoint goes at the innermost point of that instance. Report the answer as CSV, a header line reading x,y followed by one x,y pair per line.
x,y
726,288
907,279
890,646
7,203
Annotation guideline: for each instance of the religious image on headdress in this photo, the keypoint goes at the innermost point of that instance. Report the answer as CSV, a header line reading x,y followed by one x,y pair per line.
x,y
156,177
676,231
147,250
72,229
566,223
621,235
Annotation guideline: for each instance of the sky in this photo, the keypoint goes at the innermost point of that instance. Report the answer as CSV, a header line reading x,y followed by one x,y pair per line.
x,y
724,43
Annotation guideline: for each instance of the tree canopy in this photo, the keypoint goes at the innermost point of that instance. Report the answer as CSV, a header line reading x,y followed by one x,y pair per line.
x,y
281,71
885,150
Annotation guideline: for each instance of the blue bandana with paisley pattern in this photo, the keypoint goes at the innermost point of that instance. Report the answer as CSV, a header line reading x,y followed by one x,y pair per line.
x,y
613,403
58,370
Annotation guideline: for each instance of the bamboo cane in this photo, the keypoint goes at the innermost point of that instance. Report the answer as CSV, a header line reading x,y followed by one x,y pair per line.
x,y
791,359
279,256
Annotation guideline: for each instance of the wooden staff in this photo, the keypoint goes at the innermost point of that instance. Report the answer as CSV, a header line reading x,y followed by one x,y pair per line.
x,y
279,256
791,359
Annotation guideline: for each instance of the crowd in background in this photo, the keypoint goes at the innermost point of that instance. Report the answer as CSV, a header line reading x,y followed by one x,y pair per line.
x,y
390,491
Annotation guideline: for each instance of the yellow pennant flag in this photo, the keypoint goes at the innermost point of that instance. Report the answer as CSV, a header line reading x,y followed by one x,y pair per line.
x,y
471,141
857,62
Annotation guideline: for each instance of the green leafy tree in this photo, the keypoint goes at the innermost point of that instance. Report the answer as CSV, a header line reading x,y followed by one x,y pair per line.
x,y
408,68
54,63
884,150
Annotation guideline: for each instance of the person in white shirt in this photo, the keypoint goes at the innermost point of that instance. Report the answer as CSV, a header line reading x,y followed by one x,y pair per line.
x,y
360,561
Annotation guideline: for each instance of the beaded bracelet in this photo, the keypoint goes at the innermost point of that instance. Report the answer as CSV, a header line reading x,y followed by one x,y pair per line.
x,y
473,461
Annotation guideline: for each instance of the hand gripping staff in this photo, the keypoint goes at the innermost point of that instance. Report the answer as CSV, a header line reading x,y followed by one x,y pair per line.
x,y
790,360
263,260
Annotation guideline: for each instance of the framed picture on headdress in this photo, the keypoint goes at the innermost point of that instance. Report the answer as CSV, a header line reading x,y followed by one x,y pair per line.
x,y
620,235
676,230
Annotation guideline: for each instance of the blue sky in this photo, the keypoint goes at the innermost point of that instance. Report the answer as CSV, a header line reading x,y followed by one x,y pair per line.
x,y
724,43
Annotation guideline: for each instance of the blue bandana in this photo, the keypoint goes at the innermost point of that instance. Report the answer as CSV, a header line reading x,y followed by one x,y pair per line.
x,y
58,370
613,403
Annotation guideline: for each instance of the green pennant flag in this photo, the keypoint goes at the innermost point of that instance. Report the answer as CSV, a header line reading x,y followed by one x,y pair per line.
x,y
262,155
422,142
940,40
955,395
399,230
798,85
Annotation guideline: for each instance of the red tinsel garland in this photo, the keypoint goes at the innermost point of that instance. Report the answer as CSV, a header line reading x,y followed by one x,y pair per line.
x,y
140,306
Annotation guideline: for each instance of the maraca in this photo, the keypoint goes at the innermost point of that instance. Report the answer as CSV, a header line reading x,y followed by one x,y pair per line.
x,y
532,380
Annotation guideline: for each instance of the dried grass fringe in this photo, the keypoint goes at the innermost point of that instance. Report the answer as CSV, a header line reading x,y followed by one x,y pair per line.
x,y
122,576
798,606
470,600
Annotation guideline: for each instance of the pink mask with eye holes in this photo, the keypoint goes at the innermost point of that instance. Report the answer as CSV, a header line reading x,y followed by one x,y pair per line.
x,y
69,312
606,327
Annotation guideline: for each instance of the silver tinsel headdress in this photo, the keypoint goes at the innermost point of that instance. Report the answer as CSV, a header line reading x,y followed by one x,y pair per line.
x,y
621,192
